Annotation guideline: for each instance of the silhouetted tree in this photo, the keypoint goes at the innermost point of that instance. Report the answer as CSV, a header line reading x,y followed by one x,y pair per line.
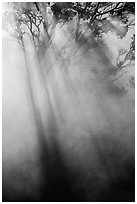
x,y
39,19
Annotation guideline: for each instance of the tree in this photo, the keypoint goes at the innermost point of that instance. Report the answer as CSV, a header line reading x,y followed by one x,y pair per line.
x,y
97,15
39,20
129,56
126,58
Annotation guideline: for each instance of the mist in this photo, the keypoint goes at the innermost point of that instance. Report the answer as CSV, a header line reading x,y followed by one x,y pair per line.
x,y
68,129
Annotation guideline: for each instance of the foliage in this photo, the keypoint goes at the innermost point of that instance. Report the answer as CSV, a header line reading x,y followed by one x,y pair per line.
x,y
39,19
100,16
128,56
97,14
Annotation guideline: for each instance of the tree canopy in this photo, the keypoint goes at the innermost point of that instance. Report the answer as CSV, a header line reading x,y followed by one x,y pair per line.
x,y
97,15
39,20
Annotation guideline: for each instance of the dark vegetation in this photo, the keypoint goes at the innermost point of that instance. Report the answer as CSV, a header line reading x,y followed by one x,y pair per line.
x,y
97,16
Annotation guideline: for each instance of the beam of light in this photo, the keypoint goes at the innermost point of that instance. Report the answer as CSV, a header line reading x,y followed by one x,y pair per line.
x,y
74,129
